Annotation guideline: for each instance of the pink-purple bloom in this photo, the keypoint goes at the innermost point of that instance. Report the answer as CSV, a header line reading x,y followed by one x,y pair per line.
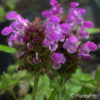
x,y
6,31
11,15
55,10
16,28
74,4
55,41
88,24
71,44
82,33
51,44
58,59
86,48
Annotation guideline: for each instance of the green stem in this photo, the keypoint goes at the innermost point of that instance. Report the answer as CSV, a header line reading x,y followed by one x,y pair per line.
x,y
35,87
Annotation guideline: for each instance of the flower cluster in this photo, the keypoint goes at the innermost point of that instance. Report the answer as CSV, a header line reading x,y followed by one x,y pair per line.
x,y
17,28
55,41
67,31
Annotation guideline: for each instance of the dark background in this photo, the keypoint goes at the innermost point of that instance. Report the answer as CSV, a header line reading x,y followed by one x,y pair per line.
x,y
31,8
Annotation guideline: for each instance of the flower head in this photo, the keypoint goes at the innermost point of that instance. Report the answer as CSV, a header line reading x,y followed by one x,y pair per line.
x,y
55,41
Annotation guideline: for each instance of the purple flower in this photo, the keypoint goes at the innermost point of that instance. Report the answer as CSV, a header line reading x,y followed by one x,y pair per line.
x,y
53,30
58,59
53,47
53,2
75,17
6,31
19,21
55,10
18,18
86,48
72,22
16,29
55,37
74,4
65,28
88,24
11,15
59,33
77,12
54,19
51,44
82,33
46,13
15,38
80,11
71,44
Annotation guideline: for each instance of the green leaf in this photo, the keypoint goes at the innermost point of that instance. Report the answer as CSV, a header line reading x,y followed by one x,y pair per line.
x,y
79,75
7,49
6,81
72,88
80,83
98,74
44,89
20,75
93,30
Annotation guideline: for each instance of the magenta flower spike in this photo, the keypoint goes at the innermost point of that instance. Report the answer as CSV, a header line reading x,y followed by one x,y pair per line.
x,y
55,42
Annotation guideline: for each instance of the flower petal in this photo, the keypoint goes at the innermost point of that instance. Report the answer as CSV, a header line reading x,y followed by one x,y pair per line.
x,y
11,15
6,31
